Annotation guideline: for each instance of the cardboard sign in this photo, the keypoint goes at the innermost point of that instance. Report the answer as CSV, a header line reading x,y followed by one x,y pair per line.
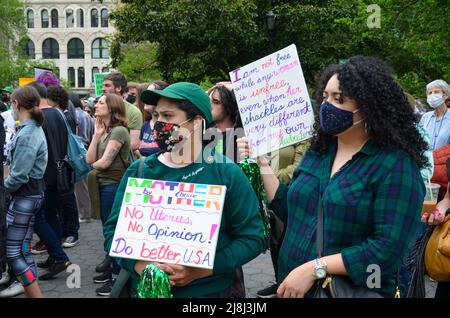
x,y
169,222
39,70
273,101
25,80
98,81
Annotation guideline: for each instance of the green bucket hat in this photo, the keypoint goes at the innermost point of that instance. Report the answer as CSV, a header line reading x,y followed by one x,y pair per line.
x,y
182,91
8,89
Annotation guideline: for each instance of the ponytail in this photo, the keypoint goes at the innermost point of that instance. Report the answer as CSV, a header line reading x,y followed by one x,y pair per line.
x,y
36,114
27,97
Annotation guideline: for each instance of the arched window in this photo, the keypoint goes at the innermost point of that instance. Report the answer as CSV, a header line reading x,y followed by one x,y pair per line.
x,y
70,19
104,18
71,76
81,77
29,50
105,70
30,18
44,19
94,18
100,49
50,49
95,70
75,49
54,15
80,18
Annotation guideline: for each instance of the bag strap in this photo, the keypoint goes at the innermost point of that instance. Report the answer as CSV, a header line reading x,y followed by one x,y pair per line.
x,y
120,283
125,275
69,131
319,233
141,166
320,241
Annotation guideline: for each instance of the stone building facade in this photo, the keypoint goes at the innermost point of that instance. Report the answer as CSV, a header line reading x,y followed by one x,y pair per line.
x,y
73,34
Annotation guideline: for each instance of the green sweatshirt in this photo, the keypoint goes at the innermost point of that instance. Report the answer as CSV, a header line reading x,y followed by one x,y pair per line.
x,y
240,237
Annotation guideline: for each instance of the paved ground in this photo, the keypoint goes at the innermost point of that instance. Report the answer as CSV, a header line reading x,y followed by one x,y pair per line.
x,y
257,273
89,252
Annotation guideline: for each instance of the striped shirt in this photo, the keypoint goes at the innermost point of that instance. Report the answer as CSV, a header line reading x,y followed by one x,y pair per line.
x,y
371,209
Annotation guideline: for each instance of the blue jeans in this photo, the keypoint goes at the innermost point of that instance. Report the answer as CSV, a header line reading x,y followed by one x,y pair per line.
x,y
20,219
107,195
48,226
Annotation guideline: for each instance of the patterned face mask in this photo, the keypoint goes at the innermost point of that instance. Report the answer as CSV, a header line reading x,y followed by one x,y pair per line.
x,y
164,135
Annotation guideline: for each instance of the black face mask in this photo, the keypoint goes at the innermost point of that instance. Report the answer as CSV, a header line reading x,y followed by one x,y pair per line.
x,y
131,99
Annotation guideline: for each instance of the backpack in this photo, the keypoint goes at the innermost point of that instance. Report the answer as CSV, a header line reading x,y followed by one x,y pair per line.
x,y
76,153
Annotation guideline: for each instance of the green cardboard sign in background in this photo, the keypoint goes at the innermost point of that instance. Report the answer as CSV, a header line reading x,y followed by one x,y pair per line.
x,y
98,80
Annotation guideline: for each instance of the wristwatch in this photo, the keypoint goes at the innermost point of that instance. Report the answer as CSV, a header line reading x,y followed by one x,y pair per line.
x,y
320,268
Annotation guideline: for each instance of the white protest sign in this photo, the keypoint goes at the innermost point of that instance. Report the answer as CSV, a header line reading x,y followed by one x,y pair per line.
x,y
273,101
169,222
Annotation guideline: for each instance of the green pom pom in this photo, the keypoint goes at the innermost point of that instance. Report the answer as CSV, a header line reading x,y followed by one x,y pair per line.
x,y
154,283
251,170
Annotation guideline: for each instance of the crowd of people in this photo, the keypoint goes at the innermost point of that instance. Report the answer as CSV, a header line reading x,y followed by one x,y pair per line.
x,y
359,183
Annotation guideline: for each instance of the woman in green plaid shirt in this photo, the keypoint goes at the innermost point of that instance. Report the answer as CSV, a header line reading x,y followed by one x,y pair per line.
x,y
364,160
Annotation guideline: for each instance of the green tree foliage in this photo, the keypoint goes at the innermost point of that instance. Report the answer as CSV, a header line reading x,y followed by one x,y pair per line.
x,y
13,63
413,38
196,38
12,28
138,62
202,40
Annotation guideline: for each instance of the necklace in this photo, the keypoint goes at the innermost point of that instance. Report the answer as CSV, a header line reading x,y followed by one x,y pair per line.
x,y
435,136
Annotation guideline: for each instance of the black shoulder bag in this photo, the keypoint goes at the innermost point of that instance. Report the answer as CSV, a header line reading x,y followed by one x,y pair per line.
x,y
336,286
65,176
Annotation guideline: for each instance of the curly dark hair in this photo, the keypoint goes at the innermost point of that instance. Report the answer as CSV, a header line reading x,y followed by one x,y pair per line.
x,y
390,120
59,96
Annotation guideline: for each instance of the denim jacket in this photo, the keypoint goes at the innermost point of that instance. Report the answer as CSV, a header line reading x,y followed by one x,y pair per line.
x,y
27,156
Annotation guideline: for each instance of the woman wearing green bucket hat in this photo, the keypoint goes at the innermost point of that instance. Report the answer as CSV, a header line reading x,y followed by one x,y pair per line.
x,y
183,111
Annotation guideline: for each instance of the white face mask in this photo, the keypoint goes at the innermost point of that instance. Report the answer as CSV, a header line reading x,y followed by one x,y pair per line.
x,y
435,100
15,115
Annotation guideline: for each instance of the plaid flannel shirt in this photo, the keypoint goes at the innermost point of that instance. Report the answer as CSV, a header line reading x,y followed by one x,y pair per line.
x,y
371,210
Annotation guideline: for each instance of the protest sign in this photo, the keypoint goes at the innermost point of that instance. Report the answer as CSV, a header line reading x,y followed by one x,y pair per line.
x,y
273,101
25,80
169,222
98,81
39,70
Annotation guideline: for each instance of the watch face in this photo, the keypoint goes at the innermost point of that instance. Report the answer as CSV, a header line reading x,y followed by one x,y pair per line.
x,y
321,273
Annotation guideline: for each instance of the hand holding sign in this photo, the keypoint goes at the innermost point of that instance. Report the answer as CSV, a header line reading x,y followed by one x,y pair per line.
x,y
169,222
245,152
273,101
180,275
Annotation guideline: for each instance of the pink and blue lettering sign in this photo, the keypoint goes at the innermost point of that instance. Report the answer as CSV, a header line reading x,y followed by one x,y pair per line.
x,y
169,222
